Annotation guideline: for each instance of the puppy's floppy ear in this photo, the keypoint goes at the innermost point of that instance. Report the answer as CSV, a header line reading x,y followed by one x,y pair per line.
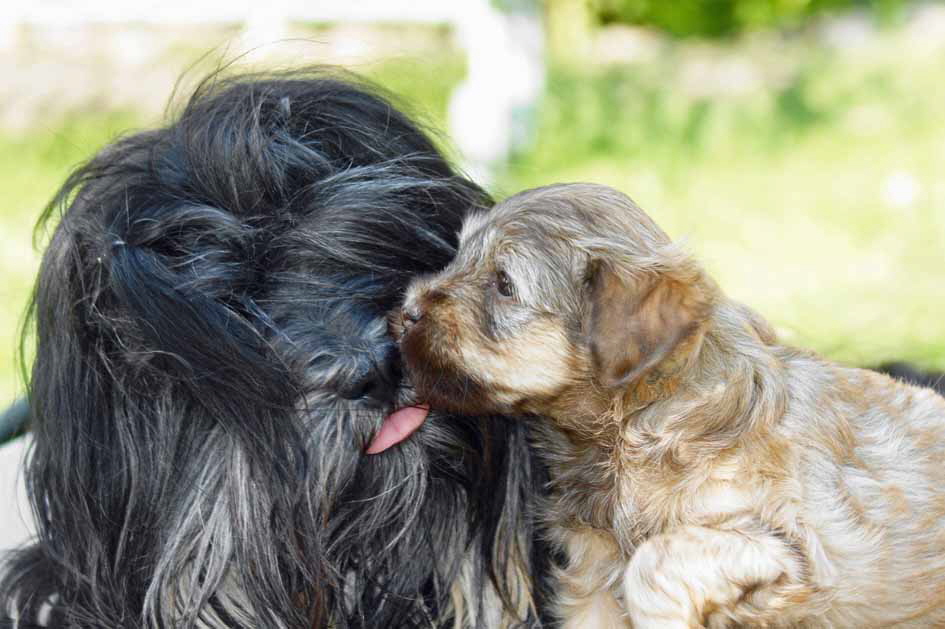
x,y
636,323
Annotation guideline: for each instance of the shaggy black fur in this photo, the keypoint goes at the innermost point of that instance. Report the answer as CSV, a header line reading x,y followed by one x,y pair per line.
x,y
212,361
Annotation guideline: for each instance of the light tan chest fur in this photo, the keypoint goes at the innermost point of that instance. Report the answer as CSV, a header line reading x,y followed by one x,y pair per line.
x,y
846,489
869,470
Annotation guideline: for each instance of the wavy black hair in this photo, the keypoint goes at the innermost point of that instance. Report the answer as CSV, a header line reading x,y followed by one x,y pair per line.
x,y
210,344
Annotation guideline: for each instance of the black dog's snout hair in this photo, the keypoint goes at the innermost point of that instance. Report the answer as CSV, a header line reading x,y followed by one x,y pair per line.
x,y
376,377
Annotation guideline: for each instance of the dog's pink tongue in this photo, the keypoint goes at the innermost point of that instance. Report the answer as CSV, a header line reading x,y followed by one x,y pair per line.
x,y
398,426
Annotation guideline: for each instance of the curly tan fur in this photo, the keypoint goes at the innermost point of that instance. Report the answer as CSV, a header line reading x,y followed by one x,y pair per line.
x,y
703,475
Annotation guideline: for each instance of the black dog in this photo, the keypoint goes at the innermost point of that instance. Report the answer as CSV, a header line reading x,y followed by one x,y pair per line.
x,y
212,362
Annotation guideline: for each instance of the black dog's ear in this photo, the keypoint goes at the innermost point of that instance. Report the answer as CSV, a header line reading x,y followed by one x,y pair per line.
x,y
636,323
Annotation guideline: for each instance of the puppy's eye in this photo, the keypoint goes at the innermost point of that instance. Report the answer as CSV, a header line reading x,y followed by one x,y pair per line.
x,y
503,284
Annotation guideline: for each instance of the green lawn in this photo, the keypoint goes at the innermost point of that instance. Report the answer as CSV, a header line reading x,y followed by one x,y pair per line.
x,y
819,200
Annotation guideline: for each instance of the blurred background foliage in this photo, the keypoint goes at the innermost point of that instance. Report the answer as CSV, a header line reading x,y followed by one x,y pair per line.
x,y
797,146
725,18
803,163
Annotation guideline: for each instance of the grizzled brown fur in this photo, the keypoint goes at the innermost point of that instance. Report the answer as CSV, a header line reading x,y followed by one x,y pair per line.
x,y
702,474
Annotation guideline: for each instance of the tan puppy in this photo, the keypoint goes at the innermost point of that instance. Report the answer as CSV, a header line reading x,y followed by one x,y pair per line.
x,y
702,474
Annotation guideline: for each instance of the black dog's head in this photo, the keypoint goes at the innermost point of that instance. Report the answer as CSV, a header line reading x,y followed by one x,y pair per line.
x,y
212,361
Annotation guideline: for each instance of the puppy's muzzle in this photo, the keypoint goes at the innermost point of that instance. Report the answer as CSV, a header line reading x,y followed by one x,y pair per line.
x,y
411,314
415,309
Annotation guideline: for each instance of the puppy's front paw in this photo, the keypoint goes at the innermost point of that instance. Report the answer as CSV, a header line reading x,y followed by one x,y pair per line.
x,y
655,595
701,577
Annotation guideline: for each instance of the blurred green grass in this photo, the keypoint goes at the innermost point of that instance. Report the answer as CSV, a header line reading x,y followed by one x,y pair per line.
x,y
787,192
818,199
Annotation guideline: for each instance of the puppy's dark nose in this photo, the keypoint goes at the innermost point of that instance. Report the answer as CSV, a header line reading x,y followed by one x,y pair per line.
x,y
377,378
411,314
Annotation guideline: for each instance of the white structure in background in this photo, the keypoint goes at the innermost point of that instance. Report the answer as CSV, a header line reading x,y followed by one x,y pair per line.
x,y
488,112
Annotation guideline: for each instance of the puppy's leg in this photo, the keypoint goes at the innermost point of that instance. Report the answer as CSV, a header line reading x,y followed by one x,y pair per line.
x,y
697,577
599,610
582,609
586,587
